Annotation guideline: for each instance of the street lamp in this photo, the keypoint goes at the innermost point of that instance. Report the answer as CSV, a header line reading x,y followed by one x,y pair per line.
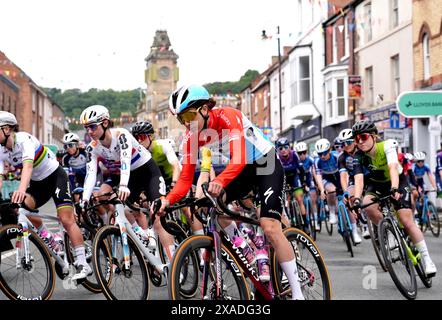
x,y
264,36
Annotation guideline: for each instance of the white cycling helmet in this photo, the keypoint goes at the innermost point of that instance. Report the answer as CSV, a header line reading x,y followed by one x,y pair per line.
x,y
7,119
419,156
345,135
301,147
322,145
94,114
71,138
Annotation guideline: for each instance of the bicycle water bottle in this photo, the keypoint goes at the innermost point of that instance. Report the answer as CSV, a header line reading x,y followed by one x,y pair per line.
x,y
246,250
262,256
48,238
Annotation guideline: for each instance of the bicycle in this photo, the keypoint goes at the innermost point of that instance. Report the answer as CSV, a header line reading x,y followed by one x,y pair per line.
x,y
225,268
127,252
427,214
345,228
293,210
324,216
26,257
396,246
309,215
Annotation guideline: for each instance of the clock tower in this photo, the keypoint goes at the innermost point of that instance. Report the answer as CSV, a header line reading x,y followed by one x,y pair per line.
x,y
161,77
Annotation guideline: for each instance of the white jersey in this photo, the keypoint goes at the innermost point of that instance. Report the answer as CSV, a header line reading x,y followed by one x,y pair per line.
x,y
123,155
27,148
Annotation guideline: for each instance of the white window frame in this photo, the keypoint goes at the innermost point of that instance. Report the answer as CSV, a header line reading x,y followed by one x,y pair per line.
x,y
256,104
394,5
367,13
395,76
369,87
426,56
309,78
332,115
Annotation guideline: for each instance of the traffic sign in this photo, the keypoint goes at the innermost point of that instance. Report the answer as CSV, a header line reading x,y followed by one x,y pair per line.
x,y
395,120
420,104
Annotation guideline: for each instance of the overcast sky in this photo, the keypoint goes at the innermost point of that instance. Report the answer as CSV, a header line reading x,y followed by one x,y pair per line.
x,y
102,44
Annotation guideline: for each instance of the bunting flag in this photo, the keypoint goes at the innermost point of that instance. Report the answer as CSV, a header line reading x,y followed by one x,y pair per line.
x,y
340,28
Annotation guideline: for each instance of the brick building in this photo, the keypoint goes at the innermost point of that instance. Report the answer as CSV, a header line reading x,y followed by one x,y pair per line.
x,y
339,37
427,61
260,93
8,94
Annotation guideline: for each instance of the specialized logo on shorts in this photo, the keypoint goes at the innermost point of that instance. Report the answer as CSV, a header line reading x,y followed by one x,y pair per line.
x,y
57,191
267,194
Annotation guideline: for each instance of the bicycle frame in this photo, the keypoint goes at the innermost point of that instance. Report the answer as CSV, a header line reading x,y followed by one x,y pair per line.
x,y
125,229
340,220
25,224
222,238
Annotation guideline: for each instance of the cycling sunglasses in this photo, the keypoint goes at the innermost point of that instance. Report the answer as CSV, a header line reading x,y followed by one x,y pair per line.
x,y
92,127
421,161
283,148
348,142
362,137
323,154
302,153
69,145
141,137
188,115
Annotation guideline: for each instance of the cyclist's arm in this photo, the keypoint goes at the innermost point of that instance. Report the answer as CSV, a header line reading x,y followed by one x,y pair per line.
x,y
431,178
125,142
343,173
319,177
173,160
238,151
28,165
412,177
393,163
91,173
359,185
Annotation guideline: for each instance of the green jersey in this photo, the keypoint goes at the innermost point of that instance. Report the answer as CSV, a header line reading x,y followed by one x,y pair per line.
x,y
163,155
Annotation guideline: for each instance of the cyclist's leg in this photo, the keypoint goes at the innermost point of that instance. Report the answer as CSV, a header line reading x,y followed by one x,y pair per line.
x,y
106,187
331,200
407,219
271,192
356,236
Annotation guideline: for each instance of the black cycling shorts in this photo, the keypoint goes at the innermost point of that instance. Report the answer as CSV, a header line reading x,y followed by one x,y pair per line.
x,y
383,189
146,178
56,185
267,175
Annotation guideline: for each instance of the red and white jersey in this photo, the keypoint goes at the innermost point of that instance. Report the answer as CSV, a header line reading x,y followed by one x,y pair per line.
x,y
229,130
123,155
27,148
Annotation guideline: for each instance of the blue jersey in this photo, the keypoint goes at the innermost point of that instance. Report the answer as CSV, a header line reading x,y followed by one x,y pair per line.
x,y
438,163
292,168
328,169
419,172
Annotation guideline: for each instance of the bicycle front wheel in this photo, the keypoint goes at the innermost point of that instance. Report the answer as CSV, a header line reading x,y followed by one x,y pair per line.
x,y
396,259
117,281
90,283
375,241
191,251
433,220
346,233
312,270
21,280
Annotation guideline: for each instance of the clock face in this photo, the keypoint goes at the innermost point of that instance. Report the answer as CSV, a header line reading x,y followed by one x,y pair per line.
x,y
164,72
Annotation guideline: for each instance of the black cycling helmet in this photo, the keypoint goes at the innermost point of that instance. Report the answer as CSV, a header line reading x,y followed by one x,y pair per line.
x,y
282,142
338,142
142,127
364,126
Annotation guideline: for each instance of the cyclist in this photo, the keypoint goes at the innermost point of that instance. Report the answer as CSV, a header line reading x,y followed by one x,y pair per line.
x,y
133,169
327,174
161,151
438,171
292,168
307,174
420,168
42,177
376,165
74,159
253,162
167,161
347,175
338,146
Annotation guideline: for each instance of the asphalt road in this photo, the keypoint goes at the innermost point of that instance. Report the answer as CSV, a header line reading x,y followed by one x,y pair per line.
x,y
359,277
